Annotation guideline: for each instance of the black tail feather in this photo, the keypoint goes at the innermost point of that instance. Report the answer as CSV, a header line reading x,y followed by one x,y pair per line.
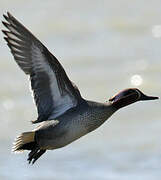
x,y
27,146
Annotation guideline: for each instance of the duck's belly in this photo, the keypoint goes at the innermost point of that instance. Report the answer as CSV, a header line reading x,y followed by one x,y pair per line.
x,y
70,128
57,137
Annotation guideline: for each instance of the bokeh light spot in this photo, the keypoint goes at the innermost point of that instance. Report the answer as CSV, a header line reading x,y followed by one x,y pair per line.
x,y
156,31
8,104
136,80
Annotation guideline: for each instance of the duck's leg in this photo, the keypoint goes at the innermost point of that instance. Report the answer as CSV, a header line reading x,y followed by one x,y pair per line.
x,y
34,155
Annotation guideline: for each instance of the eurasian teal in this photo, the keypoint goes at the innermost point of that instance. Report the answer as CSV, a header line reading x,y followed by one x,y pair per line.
x,y
63,114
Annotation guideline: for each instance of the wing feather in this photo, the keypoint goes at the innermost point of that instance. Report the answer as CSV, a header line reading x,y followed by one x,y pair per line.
x,y
53,92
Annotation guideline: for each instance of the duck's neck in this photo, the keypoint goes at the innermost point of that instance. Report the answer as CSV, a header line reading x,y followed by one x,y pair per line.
x,y
99,114
109,110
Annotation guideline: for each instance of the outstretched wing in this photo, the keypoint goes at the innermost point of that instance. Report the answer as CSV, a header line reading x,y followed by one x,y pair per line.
x,y
53,92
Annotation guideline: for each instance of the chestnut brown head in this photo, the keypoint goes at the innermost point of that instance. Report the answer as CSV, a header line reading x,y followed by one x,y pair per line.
x,y
129,96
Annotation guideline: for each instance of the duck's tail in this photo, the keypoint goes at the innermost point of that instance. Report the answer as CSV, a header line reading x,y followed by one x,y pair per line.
x,y
26,141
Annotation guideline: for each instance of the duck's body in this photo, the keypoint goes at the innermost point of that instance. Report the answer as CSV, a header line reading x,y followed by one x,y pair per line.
x,y
73,124
63,114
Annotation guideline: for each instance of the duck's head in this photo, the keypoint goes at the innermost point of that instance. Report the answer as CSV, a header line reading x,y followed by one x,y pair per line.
x,y
129,96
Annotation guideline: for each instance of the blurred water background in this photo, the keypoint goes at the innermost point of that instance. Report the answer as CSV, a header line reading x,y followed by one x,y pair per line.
x,y
104,46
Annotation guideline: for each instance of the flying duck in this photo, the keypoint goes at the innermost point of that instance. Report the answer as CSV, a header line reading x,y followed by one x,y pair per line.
x,y
63,114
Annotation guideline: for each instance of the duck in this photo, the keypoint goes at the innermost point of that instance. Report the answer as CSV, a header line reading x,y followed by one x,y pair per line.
x,y
63,114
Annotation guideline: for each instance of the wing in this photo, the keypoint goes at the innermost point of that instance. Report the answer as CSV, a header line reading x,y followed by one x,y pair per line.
x,y
53,92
